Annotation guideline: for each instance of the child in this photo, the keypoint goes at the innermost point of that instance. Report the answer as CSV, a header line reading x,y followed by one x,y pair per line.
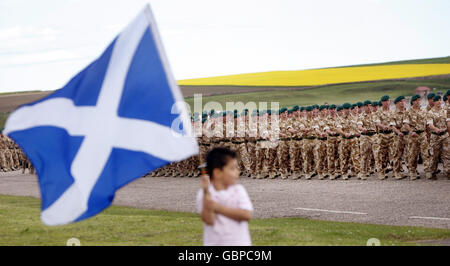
x,y
224,205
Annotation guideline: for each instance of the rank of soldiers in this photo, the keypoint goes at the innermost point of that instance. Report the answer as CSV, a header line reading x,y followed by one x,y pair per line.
x,y
12,158
329,141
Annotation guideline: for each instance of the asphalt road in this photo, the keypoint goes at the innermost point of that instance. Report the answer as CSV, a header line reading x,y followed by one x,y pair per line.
x,y
391,202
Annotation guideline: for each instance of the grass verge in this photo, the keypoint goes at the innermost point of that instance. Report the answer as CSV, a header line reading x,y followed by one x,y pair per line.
x,y
20,225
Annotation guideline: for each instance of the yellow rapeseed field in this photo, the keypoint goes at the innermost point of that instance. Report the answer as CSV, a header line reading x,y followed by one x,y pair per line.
x,y
315,77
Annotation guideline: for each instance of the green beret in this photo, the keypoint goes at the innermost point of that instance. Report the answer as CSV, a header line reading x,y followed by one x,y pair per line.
x,y
360,104
302,108
399,98
333,106
295,108
315,106
353,106
384,98
367,102
309,108
436,98
430,96
445,97
448,92
415,97
212,111
339,108
346,106
290,111
284,109
322,107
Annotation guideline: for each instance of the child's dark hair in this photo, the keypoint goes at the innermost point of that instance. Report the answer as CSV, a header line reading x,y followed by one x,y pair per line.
x,y
218,158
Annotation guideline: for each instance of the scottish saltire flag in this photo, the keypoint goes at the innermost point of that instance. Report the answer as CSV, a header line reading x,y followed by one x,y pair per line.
x,y
116,120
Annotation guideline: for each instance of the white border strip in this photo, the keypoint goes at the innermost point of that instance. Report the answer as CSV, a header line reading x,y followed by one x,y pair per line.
x,y
332,211
429,218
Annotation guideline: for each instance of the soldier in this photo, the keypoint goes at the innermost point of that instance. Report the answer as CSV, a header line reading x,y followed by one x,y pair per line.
x,y
401,134
215,129
262,149
332,143
430,104
320,147
308,143
438,127
368,129
295,143
347,129
446,144
196,159
354,143
384,143
239,142
283,144
252,142
416,124
274,142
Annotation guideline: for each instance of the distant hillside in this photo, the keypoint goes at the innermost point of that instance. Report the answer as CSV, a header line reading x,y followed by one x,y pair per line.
x,y
332,94
437,60
335,75
289,95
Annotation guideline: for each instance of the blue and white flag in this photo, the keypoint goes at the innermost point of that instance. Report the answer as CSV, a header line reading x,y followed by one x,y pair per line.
x,y
118,119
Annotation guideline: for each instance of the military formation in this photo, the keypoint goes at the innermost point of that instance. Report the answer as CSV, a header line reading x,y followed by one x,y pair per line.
x,y
12,158
329,141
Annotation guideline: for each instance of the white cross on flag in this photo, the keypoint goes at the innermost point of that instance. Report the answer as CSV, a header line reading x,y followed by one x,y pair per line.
x,y
118,119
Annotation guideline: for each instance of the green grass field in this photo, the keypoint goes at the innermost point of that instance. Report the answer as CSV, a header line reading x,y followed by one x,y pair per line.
x,y
3,117
336,94
20,225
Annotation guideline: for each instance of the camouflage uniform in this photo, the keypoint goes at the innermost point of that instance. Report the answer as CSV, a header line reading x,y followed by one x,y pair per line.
x,y
262,149
347,125
446,147
320,147
3,162
252,145
295,148
332,145
437,118
240,146
399,141
418,142
283,148
366,142
307,148
273,163
384,142
354,147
